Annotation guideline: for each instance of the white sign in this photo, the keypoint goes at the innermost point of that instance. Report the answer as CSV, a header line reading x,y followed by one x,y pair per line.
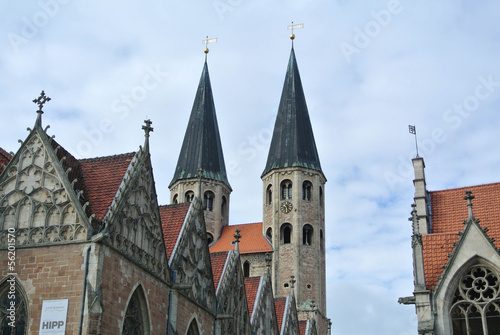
x,y
53,321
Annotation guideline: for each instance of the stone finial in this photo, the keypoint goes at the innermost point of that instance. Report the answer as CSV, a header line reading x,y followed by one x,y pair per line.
x,y
269,259
469,198
199,175
147,128
414,218
237,236
40,101
292,281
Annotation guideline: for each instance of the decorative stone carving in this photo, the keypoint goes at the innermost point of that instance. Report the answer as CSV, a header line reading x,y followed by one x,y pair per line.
x,y
231,298
133,222
34,198
191,254
264,315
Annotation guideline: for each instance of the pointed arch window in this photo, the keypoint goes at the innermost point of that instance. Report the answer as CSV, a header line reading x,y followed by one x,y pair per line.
x,y
189,196
286,189
306,190
193,328
246,269
12,291
175,200
136,321
286,233
269,194
307,234
476,304
208,200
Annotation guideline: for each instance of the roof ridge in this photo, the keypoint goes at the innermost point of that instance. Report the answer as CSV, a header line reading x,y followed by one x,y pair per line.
x,y
182,204
465,187
108,157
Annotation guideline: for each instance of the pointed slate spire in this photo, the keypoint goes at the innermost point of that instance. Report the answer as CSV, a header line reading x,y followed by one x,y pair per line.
x,y
293,139
202,147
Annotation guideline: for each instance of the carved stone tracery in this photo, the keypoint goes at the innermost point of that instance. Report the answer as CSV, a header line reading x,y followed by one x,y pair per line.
x,y
34,201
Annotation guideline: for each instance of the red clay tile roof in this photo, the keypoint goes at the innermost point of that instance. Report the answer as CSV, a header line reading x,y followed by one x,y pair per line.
x,y
102,177
5,158
302,327
279,305
436,247
218,260
251,288
172,218
251,241
449,210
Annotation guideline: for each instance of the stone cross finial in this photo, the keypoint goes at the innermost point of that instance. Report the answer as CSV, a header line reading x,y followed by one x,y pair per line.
x,y
268,260
40,101
292,281
237,236
469,198
147,128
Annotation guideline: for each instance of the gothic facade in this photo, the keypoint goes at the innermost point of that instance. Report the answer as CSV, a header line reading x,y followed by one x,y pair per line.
x,y
90,236
456,258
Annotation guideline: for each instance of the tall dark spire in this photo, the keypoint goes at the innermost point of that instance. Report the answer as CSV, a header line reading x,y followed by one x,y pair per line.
x,y
293,139
202,147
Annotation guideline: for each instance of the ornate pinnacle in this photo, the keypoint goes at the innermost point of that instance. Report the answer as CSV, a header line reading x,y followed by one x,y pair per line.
x,y
269,259
292,281
469,198
237,236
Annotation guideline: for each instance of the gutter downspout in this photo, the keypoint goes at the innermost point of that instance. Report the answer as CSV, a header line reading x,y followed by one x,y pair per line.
x,y
84,289
173,280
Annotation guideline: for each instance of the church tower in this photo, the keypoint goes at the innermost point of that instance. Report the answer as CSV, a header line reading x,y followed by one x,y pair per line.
x,y
201,169
294,211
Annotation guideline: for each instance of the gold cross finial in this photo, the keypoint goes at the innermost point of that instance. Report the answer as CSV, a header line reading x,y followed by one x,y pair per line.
x,y
207,41
292,27
40,101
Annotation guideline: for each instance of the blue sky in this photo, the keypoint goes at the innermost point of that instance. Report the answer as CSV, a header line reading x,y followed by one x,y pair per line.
x,y
369,69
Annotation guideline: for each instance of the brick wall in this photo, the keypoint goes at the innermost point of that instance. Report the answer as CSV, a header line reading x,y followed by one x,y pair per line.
x,y
120,278
50,273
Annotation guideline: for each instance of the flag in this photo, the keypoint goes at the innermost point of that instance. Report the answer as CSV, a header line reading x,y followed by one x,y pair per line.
x,y
412,130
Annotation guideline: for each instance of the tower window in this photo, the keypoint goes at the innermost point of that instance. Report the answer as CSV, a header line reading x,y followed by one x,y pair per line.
x,y
175,200
246,269
286,233
286,189
306,190
210,238
223,206
321,238
269,194
269,234
321,196
208,200
189,196
307,234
